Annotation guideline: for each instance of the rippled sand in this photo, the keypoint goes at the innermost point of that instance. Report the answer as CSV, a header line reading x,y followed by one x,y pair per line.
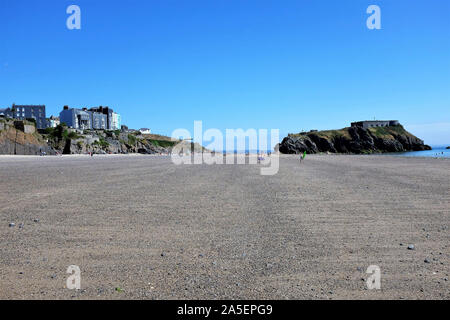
x,y
157,230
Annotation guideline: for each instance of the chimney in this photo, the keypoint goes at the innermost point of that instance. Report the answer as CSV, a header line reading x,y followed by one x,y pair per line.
x,y
66,108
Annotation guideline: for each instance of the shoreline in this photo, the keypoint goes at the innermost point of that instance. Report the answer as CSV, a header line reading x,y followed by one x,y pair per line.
x,y
399,155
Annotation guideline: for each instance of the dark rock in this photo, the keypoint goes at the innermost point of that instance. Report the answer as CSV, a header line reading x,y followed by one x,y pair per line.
x,y
291,145
355,140
322,144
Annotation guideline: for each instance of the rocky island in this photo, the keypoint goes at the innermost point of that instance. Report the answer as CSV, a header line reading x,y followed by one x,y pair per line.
x,y
362,137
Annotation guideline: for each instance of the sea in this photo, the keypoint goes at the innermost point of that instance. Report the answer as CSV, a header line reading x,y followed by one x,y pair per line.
x,y
436,152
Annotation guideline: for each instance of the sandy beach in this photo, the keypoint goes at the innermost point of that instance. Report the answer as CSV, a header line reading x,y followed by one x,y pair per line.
x,y
140,227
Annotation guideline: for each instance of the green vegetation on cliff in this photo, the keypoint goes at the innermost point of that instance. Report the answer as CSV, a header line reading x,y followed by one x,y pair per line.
x,y
162,143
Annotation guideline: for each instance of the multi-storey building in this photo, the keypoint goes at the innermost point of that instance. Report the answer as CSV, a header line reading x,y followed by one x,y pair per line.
x,y
53,122
94,118
113,119
116,122
23,112
99,120
76,118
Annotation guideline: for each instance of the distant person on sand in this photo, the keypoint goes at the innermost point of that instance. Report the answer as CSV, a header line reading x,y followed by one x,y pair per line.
x,y
302,156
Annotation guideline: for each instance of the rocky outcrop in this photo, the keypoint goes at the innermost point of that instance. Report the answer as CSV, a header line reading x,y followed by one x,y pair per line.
x,y
20,138
353,140
69,141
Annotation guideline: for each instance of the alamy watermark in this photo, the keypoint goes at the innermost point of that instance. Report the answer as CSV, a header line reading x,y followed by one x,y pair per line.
x,y
374,20
74,280
74,20
374,280
238,145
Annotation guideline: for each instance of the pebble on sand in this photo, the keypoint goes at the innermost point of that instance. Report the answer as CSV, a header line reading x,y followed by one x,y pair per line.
x,y
12,224
411,247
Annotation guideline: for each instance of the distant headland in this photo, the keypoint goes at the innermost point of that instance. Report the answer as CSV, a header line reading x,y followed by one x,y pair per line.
x,y
25,130
376,136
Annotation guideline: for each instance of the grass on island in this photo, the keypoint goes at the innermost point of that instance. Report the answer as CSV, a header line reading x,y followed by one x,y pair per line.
x,y
388,132
380,132
327,134
332,134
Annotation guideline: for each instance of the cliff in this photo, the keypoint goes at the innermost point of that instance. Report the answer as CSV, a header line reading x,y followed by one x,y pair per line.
x,y
69,141
21,138
353,140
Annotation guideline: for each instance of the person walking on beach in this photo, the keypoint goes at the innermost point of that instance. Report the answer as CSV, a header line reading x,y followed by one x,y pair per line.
x,y
302,156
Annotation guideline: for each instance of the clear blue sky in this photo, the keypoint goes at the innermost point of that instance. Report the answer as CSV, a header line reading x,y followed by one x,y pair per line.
x,y
290,65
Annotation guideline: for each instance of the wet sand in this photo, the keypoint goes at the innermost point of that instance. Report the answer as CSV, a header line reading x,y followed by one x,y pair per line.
x,y
160,231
